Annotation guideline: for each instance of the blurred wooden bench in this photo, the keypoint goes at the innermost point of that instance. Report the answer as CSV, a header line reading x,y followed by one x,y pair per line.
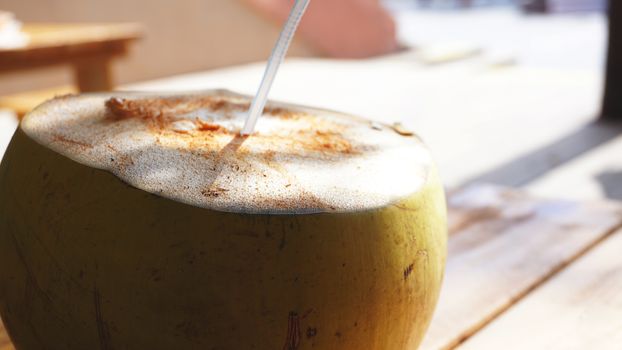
x,y
88,48
22,103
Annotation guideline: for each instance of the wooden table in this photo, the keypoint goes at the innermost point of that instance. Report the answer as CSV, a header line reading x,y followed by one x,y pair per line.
x,y
535,267
88,48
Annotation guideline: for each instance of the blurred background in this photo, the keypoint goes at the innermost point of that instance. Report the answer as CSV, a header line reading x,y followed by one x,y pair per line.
x,y
190,35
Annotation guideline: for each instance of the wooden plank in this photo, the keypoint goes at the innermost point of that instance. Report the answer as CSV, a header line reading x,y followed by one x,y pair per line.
x,y
595,175
497,260
581,308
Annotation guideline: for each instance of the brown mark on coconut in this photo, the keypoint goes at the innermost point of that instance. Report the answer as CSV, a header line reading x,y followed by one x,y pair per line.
x,y
102,327
31,280
307,313
283,241
408,270
214,192
70,142
292,341
311,332
403,207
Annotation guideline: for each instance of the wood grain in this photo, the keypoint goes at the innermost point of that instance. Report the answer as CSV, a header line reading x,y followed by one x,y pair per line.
x,y
504,244
518,244
581,308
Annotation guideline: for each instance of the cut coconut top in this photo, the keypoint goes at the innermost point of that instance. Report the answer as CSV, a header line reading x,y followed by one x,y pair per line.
x,y
187,147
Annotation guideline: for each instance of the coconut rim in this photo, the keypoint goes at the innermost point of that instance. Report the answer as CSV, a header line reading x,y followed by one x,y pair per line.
x,y
45,107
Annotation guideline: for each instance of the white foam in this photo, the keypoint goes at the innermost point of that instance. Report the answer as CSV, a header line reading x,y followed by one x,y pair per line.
x,y
187,148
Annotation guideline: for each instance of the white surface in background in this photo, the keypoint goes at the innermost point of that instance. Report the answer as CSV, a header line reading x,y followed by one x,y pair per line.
x,y
576,41
472,114
484,104
578,5
8,124
11,35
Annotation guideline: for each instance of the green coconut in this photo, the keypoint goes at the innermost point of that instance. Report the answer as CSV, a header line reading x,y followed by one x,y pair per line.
x,y
136,221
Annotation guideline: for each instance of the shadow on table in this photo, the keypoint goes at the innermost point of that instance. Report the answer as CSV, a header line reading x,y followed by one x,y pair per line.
x,y
528,167
611,183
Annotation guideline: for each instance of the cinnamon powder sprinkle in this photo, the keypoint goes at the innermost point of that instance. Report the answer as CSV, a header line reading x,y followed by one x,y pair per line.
x,y
203,126
160,113
65,140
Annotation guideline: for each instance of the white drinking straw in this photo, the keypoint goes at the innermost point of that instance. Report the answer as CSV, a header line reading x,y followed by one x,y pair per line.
x,y
277,56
